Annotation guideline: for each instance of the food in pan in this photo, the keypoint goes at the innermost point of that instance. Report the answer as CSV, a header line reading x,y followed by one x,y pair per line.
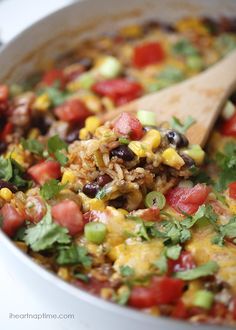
x,y
128,210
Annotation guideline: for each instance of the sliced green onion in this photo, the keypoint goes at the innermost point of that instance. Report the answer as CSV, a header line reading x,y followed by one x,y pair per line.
x,y
155,199
228,110
203,299
147,118
86,80
95,232
195,62
109,67
123,140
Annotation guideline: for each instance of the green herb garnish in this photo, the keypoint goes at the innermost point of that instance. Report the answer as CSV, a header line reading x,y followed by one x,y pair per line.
x,y
51,189
72,255
207,269
182,127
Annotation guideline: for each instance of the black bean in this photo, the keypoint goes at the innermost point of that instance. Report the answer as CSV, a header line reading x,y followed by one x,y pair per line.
x,y
3,147
123,152
177,139
86,62
188,160
102,180
118,203
72,136
5,184
91,189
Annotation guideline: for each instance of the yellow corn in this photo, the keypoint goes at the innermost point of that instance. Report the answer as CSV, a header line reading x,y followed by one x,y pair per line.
x,y
92,102
132,31
6,194
92,123
171,158
83,134
123,211
233,208
73,86
107,293
17,154
34,133
108,103
68,177
152,139
138,148
42,102
96,205
63,272
192,24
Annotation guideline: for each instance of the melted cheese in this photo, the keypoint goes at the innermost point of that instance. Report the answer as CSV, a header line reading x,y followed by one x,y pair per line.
x,y
138,255
204,250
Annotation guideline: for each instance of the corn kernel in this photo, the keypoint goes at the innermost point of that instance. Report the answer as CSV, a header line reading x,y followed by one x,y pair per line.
x,y
108,103
138,148
132,31
42,102
123,211
233,208
171,158
83,134
152,139
34,133
6,194
73,86
92,102
68,177
92,123
96,205
107,293
63,272
108,66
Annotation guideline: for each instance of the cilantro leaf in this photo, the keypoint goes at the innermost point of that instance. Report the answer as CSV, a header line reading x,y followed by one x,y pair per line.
x,y
182,127
11,171
226,162
61,158
56,95
162,264
185,48
227,230
74,254
33,146
205,270
126,271
55,143
45,234
6,170
101,194
51,188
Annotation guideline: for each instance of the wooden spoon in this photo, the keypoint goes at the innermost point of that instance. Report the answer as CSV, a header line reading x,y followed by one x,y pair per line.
x,y
200,97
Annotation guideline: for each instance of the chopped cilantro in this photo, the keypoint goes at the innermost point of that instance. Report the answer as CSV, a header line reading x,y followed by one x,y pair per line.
x,y
81,276
46,233
185,48
126,271
124,140
51,188
72,255
11,171
227,230
226,161
56,95
182,127
33,146
101,194
6,170
204,270
162,264
55,146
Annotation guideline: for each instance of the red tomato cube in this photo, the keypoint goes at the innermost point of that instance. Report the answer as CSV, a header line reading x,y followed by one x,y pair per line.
x,y
45,171
148,53
128,125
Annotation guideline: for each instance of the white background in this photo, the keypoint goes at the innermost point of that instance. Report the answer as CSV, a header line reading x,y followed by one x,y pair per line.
x,y
15,15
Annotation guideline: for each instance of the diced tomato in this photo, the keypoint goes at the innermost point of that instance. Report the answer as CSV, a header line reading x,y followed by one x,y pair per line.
x,y
151,214
229,127
184,262
6,131
12,219
35,208
232,190
53,76
187,199
4,93
234,308
121,90
72,111
219,310
45,171
148,53
180,311
67,214
162,290
128,125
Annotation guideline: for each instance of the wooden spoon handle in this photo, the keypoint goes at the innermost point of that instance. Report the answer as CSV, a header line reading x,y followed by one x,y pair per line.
x,y
201,97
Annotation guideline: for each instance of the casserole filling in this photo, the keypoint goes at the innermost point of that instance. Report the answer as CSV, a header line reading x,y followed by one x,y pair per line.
x,y
129,210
